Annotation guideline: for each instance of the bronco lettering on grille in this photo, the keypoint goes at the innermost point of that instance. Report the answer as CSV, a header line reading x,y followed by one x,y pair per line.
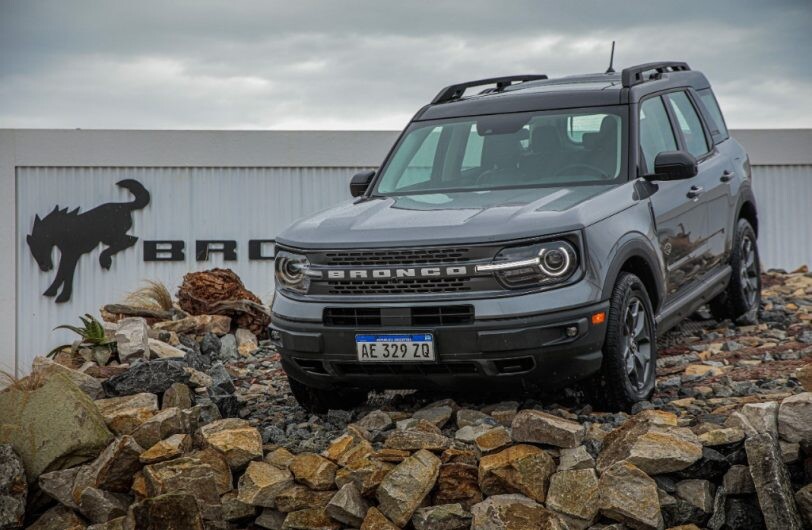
x,y
382,274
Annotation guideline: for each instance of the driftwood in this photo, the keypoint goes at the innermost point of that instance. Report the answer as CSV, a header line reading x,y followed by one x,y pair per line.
x,y
132,311
221,292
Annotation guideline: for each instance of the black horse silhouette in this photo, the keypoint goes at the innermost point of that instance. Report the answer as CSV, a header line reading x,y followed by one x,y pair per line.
x,y
75,234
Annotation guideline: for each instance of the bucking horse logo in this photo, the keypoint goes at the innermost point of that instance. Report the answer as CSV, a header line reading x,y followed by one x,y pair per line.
x,y
75,234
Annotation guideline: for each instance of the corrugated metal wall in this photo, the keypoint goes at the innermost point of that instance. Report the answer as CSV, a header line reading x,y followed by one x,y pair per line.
x,y
186,204
784,196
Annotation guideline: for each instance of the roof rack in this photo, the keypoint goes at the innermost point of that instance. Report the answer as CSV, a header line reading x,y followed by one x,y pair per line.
x,y
633,75
453,92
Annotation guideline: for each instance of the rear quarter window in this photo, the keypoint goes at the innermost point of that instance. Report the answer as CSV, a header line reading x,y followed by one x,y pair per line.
x,y
717,120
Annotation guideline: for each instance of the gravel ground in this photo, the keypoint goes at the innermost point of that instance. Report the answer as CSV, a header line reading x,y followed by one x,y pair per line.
x,y
705,369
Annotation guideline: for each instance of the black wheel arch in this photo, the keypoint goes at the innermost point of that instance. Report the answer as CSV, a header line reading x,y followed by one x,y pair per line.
x,y
637,256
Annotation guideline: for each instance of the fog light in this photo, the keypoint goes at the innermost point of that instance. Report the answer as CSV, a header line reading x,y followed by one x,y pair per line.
x,y
572,331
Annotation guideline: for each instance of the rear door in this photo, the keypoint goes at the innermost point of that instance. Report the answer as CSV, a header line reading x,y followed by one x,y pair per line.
x,y
681,222
709,188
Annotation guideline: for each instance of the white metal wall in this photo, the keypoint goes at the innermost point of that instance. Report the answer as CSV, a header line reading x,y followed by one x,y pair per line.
x,y
186,204
784,197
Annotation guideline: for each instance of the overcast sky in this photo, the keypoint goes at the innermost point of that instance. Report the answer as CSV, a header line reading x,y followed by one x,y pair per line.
x,y
370,64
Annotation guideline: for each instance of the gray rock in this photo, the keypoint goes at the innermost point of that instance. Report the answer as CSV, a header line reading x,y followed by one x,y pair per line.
x,y
347,506
535,426
513,511
13,488
439,416
270,519
575,458
89,385
178,395
795,418
59,485
737,481
154,377
377,420
60,518
172,510
629,496
469,433
697,492
101,506
803,498
470,417
771,480
762,416
442,517
132,339
211,345
228,347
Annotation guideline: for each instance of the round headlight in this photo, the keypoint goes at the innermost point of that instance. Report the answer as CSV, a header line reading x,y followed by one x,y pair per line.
x,y
554,261
290,271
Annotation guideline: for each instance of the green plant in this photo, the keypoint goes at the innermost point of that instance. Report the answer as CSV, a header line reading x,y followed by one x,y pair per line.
x,y
93,337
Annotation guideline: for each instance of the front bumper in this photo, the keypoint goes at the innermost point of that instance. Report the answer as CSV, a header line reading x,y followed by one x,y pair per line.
x,y
531,350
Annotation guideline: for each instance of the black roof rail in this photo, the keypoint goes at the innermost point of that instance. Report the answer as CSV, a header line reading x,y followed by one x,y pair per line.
x,y
633,75
453,92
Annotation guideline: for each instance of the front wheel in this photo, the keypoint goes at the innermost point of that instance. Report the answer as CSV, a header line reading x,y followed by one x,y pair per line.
x,y
320,400
630,350
741,300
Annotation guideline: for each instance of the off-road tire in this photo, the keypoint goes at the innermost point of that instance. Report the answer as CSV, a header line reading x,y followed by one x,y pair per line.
x,y
734,302
320,400
613,388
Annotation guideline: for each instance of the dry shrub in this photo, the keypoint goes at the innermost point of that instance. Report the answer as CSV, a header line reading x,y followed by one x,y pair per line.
x,y
30,382
153,295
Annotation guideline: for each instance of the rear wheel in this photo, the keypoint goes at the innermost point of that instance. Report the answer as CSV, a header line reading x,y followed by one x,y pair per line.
x,y
630,350
741,300
321,400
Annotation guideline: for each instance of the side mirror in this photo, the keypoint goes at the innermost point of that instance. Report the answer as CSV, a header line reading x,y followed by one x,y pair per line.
x,y
674,165
360,182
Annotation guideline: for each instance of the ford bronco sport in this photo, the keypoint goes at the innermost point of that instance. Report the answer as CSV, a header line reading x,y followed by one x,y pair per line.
x,y
537,233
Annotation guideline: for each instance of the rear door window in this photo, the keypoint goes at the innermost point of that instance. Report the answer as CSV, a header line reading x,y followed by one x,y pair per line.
x,y
689,123
656,134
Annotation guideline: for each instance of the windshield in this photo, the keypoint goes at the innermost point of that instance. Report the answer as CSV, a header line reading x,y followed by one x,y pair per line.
x,y
528,149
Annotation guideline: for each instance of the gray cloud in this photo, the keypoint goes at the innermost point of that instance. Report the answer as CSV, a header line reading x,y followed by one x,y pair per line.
x,y
370,64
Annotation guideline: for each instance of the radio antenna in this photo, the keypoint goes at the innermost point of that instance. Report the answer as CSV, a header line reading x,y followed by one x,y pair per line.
x,y
611,70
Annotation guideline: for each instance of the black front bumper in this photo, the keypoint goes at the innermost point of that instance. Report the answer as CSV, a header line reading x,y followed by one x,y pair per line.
x,y
535,352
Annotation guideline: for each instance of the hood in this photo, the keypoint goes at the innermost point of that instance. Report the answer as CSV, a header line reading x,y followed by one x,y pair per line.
x,y
460,217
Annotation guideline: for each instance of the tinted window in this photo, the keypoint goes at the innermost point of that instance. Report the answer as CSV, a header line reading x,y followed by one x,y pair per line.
x,y
656,134
712,105
689,123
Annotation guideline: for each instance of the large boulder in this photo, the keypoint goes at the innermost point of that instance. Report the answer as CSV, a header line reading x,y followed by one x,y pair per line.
x,y
154,377
629,496
513,512
314,471
112,470
795,419
53,426
262,483
575,493
524,469
402,491
652,443
771,480
186,475
13,488
535,426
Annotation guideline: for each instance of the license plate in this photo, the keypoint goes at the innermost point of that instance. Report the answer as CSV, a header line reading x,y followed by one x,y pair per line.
x,y
395,348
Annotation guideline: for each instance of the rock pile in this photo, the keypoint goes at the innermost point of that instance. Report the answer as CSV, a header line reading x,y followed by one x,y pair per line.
x,y
193,427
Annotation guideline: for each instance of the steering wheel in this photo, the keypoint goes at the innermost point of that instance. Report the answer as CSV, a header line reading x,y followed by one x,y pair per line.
x,y
490,174
594,169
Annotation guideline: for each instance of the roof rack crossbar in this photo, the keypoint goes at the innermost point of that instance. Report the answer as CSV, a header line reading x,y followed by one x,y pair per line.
x,y
633,75
453,92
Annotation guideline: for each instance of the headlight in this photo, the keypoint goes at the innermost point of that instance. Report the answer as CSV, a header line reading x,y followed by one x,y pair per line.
x,y
291,271
541,264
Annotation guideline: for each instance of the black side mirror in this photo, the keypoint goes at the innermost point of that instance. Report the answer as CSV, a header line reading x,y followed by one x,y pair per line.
x,y
674,165
360,182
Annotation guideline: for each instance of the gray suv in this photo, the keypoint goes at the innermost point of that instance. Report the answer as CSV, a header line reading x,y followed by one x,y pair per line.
x,y
534,234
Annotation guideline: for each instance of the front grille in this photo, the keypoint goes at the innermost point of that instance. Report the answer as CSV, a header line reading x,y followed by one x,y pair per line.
x,y
399,256
446,315
461,368
400,286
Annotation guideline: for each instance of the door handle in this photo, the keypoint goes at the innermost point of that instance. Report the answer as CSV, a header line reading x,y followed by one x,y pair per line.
x,y
695,192
727,176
